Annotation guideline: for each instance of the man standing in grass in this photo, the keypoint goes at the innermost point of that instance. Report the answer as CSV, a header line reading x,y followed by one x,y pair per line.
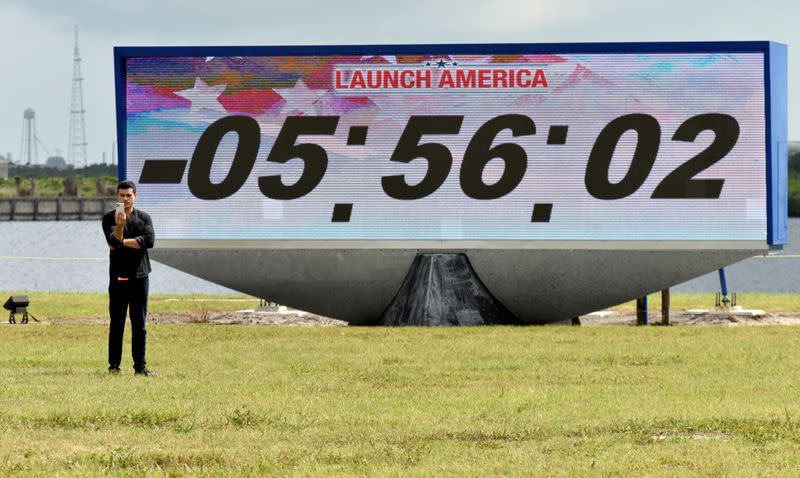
x,y
129,234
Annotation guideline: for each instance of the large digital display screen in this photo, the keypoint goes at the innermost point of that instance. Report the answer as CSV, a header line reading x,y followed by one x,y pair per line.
x,y
448,145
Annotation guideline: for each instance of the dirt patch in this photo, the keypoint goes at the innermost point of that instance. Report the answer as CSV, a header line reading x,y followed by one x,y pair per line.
x,y
288,318
625,317
295,318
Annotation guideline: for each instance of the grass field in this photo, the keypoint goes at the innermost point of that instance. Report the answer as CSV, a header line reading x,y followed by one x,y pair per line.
x,y
767,302
54,186
60,306
343,401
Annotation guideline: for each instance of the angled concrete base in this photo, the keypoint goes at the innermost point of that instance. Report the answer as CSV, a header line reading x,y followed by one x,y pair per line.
x,y
442,289
538,286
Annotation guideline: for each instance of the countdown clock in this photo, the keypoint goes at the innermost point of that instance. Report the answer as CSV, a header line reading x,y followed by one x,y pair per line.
x,y
573,176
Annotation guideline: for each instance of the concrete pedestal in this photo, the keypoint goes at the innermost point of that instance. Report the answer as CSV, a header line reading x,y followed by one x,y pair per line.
x,y
442,289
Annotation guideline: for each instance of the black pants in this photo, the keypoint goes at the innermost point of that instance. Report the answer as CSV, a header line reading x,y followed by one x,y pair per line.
x,y
121,294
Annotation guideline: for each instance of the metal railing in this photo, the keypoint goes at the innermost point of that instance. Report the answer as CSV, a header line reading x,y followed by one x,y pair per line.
x,y
54,209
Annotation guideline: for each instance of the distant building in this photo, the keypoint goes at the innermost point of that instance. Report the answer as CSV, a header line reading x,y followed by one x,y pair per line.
x,y
56,162
3,167
794,147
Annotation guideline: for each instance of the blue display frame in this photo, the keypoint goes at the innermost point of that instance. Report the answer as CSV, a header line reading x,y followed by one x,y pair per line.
x,y
775,76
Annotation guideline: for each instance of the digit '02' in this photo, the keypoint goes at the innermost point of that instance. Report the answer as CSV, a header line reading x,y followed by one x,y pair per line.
x,y
680,183
648,138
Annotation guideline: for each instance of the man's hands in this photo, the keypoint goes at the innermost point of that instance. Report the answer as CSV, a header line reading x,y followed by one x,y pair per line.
x,y
132,243
120,220
128,242
140,242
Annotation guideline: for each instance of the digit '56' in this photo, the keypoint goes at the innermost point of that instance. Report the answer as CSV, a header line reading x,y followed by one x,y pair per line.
x,y
476,157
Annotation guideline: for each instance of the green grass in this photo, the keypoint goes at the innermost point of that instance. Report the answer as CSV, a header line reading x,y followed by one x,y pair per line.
x,y
794,194
54,186
54,306
492,401
767,302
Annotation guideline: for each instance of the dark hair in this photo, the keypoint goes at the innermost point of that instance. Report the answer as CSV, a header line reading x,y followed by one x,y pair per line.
x,y
126,185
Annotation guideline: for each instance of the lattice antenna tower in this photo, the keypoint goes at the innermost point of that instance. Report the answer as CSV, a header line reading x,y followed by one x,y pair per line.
x,y
76,154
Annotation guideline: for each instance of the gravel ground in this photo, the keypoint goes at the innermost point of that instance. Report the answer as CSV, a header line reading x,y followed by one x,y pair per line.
x,y
295,318
283,316
685,318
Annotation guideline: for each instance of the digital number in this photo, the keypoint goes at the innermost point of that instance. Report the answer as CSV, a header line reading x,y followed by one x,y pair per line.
x,y
648,138
679,184
408,149
479,153
246,150
314,157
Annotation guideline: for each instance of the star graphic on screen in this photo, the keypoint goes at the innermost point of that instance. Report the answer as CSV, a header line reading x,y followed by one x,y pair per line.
x,y
209,58
390,58
203,96
441,64
471,59
301,98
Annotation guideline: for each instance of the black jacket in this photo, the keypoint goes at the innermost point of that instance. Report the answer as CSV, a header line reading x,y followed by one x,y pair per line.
x,y
125,261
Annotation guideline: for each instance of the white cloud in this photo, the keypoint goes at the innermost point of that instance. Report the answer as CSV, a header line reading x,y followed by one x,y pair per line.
x,y
516,16
36,39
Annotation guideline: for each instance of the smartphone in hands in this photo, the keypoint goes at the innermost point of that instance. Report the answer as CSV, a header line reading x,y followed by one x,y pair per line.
x,y
120,208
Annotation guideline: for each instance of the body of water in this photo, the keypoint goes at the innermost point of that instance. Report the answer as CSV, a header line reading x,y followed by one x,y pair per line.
x,y
73,256
775,273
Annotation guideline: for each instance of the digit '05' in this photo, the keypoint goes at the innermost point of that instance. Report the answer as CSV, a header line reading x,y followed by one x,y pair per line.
x,y
285,148
680,183
246,150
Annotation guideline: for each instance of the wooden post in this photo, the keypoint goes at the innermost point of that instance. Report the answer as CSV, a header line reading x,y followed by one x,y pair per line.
x,y
13,209
58,209
665,307
80,209
35,206
641,311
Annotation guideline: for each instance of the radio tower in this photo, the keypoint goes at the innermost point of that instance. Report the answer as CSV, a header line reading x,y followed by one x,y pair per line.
x,y
76,154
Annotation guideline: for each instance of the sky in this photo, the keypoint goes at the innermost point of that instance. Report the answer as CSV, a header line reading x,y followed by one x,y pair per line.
x,y
37,36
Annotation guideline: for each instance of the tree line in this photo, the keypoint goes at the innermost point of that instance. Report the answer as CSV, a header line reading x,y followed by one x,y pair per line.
x,y
38,171
104,170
